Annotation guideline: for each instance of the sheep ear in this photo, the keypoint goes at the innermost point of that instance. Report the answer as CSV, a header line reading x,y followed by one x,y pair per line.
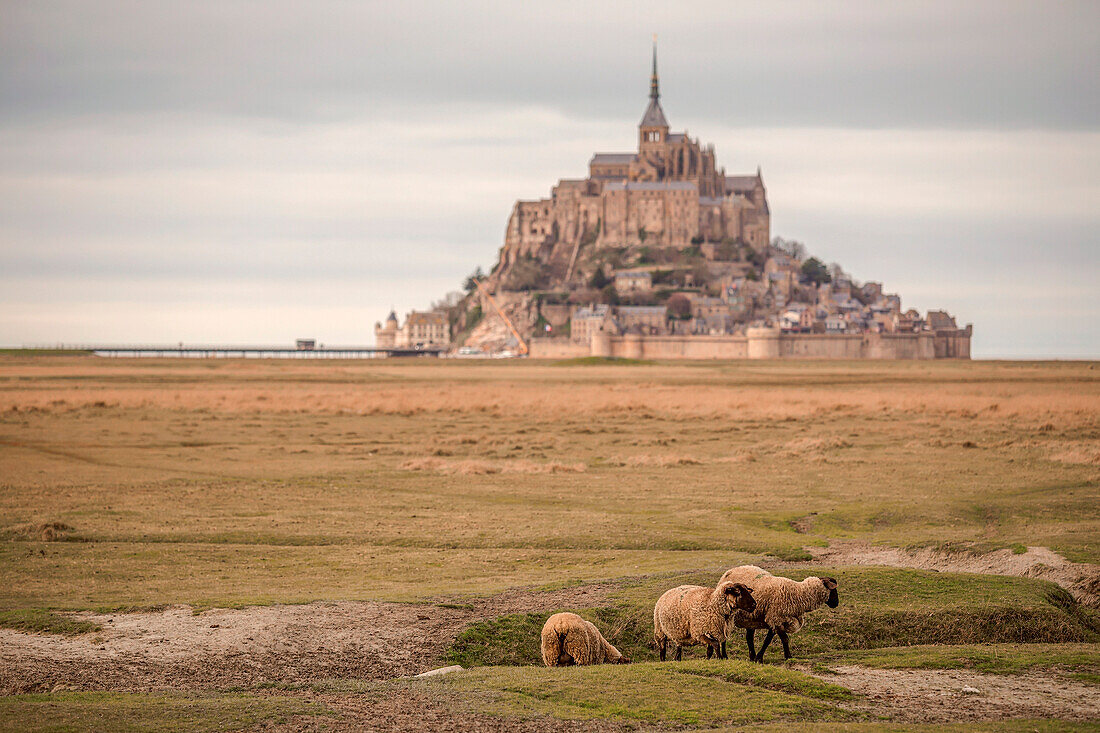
x,y
829,583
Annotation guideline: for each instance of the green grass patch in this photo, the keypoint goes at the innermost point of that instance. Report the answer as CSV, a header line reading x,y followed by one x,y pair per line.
x,y
987,658
140,712
780,679
879,608
660,693
38,620
512,639
602,361
1090,678
792,554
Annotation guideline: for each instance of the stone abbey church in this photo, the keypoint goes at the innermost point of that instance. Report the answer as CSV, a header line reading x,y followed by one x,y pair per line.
x,y
670,193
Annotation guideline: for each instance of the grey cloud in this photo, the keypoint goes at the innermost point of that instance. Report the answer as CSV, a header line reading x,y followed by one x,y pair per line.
x,y
1003,64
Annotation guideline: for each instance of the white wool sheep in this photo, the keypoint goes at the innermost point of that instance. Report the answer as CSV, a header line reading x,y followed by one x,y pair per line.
x,y
780,604
568,639
693,614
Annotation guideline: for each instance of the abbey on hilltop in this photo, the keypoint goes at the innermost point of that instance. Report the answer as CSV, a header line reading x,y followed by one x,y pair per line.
x,y
659,254
670,193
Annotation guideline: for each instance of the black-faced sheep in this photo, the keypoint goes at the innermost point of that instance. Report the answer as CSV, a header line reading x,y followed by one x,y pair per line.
x,y
568,639
780,605
692,614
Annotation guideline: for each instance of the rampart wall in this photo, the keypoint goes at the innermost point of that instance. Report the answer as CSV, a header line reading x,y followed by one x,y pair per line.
x,y
763,343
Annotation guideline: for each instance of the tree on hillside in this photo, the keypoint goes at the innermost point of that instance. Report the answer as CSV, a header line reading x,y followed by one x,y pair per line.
x,y
679,306
450,300
790,246
599,280
816,271
470,285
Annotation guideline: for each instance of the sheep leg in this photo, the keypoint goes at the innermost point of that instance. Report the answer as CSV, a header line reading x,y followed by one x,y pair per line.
x,y
724,651
764,647
679,652
786,647
749,634
663,646
710,651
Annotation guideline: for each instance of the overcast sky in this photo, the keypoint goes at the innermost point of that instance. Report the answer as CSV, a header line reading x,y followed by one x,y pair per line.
x,y
256,172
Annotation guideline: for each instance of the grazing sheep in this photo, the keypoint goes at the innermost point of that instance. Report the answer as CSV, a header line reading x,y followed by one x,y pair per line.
x,y
692,614
569,639
780,605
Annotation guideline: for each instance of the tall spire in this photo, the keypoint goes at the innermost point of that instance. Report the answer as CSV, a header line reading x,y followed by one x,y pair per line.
x,y
654,116
653,91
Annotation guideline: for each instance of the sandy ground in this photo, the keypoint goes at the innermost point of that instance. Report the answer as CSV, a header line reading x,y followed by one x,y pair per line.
x,y
178,649
943,696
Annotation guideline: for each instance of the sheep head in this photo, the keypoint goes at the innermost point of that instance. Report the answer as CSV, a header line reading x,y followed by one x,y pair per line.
x,y
736,597
830,585
622,660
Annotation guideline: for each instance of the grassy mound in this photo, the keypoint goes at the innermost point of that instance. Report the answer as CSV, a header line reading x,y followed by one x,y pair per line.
x,y
986,658
601,360
878,608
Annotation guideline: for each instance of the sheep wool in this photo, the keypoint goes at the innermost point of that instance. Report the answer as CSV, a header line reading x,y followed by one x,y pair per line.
x,y
568,639
693,614
781,603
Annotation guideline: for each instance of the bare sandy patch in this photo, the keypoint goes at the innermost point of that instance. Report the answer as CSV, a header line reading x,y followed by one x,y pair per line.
x,y
478,467
943,696
1087,453
177,649
658,461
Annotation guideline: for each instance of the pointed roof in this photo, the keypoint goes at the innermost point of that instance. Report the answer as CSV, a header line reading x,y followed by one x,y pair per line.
x,y
392,317
654,116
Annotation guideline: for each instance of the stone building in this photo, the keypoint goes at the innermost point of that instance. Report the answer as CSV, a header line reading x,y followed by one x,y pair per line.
x,y
633,281
588,320
421,329
651,319
669,193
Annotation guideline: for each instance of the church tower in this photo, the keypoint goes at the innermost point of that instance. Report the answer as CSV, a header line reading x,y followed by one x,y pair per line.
x,y
653,130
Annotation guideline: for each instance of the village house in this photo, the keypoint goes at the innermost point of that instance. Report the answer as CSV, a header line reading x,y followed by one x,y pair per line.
x,y
836,323
589,319
650,319
633,281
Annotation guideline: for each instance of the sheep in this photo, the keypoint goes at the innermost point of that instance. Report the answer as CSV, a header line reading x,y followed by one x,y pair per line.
x,y
568,639
693,614
780,605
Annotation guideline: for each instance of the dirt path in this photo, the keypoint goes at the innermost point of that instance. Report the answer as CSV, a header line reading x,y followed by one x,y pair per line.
x,y
1082,580
178,649
943,696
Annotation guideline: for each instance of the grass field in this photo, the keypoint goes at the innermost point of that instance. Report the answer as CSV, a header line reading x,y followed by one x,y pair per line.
x,y
137,484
